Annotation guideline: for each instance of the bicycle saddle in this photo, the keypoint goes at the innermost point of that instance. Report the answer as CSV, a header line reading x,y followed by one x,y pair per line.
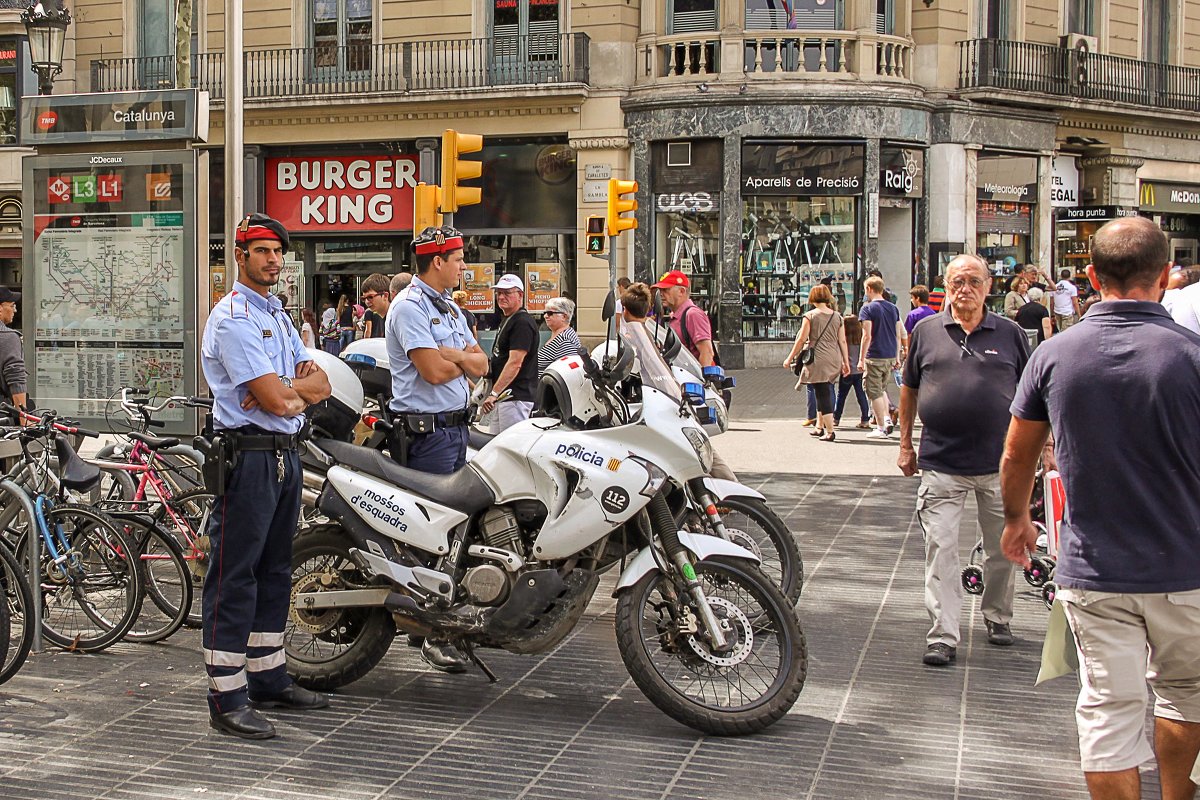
x,y
73,471
154,442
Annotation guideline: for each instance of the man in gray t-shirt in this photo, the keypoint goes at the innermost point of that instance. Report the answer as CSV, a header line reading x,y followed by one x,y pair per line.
x,y
960,376
13,375
1121,392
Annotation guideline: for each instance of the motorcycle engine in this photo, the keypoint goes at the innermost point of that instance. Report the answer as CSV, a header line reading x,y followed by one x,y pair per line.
x,y
488,584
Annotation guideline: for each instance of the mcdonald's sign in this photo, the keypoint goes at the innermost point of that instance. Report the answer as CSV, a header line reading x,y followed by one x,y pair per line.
x,y
1180,198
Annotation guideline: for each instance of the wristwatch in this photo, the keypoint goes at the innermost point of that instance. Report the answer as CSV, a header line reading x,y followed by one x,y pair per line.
x,y
286,381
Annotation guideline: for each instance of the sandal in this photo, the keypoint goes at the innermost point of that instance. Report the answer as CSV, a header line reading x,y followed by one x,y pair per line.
x,y
829,437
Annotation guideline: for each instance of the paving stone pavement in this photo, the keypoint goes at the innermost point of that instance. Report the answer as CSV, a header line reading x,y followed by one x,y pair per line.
x,y
872,722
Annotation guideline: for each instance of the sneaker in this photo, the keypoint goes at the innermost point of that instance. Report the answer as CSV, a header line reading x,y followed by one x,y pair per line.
x,y
879,433
999,633
939,654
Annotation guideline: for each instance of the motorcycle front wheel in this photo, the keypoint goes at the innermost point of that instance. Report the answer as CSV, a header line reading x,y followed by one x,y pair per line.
x,y
329,648
741,689
752,524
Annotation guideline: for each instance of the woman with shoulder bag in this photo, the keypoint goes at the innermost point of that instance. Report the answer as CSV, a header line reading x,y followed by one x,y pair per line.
x,y
819,356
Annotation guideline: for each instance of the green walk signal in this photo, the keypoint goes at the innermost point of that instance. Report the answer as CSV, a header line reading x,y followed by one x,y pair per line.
x,y
594,241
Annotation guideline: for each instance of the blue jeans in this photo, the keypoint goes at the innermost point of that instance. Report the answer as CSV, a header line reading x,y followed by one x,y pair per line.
x,y
332,346
845,384
347,338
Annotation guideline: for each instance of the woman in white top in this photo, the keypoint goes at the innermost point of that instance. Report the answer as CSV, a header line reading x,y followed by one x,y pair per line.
x,y
308,330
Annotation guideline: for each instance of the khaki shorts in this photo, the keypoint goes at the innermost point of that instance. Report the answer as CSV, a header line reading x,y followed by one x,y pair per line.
x,y
879,372
1125,640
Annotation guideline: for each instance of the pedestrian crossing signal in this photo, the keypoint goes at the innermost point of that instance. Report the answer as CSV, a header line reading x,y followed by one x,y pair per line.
x,y
594,241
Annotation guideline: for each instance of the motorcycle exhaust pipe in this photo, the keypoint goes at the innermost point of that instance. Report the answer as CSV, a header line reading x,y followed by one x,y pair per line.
x,y
311,490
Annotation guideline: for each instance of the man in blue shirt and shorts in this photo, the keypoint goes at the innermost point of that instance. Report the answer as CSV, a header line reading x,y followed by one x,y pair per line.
x,y
880,352
1121,392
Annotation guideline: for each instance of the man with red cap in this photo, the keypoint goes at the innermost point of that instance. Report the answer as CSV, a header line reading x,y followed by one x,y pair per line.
x,y
262,379
688,320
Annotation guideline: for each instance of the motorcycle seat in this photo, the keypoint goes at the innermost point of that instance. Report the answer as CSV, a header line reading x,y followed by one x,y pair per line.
x,y
463,490
477,439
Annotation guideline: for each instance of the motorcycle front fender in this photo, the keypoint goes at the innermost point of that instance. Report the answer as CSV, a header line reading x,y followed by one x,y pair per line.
x,y
700,545
723,490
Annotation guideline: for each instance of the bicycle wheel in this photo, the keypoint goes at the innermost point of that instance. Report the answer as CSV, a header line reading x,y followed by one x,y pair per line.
x,y
165,579
93,598
194,507
18,598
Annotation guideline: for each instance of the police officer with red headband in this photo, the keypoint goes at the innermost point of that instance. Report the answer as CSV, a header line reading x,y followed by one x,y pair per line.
x,y
262,380
432,355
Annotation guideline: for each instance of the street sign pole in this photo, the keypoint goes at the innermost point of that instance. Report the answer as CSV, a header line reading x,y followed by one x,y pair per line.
x,y
234,157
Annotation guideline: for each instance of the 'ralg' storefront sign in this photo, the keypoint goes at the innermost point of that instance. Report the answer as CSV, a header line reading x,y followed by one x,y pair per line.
x,y
342,193
803,170
1178,198
901,172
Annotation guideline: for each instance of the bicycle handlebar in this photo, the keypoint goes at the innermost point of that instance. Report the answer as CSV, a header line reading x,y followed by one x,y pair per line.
x,y
49,421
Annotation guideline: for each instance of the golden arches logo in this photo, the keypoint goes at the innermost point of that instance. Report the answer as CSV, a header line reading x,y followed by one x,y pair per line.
x,y
1147,194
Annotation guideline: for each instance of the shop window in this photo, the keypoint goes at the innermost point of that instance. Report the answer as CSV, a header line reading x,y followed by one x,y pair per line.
x,y
1002,240
9,95
341,35
687,238
788,245
1081,17
544,261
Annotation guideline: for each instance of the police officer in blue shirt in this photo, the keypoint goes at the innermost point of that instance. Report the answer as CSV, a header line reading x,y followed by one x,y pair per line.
x,y
432,355
262,380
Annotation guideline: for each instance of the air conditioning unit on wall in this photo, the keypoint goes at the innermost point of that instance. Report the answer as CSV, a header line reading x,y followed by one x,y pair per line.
x,y
1079,41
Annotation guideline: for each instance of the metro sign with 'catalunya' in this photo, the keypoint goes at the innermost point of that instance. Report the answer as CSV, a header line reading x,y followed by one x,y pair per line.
x,y
342,193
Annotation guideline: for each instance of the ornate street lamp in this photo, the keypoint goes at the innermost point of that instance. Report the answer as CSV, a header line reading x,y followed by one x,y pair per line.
x,y
47,31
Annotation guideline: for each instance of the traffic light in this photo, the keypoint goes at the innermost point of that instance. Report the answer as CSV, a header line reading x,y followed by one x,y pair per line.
x,y
618,205
454,170
594,241
426,200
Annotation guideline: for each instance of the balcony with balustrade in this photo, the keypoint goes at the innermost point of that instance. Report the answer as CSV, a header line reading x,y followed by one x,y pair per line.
x,y
556,64
773,56
1025,73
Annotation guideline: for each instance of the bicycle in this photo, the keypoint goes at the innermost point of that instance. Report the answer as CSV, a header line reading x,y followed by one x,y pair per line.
x,y
15,605
89,589
180,508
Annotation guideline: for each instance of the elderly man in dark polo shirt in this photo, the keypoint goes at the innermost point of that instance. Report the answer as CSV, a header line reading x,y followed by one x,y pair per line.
x,y
960,376
1121,391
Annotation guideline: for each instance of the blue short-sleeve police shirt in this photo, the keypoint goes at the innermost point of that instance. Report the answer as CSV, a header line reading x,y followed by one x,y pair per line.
x,y
415,322
248,336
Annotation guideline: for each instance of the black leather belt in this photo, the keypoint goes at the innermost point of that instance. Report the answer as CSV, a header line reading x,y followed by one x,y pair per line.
x,y
415,423
256,440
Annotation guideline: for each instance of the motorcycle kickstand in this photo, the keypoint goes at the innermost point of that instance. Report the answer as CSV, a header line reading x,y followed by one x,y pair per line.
x,y
469,650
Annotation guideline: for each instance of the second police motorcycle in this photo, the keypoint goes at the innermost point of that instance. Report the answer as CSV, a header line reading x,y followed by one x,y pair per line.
x,y
508,551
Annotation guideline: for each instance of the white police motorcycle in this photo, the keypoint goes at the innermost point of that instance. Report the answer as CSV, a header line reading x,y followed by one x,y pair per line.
x,y
508,551
725,508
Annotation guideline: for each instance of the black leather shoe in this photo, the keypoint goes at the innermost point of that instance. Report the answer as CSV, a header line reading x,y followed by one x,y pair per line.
x,y
243,722
294,696
443,656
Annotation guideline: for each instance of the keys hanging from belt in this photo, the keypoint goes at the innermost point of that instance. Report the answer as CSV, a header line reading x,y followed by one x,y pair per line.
x,y
280,467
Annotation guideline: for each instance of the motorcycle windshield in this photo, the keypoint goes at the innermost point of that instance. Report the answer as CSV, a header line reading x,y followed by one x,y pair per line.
x,y
654,371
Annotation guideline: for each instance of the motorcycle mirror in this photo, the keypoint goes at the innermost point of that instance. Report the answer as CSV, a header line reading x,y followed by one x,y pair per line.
x,y
610,307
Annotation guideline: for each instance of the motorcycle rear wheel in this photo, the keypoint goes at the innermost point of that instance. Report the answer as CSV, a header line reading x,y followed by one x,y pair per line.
x,y
330,648
734,693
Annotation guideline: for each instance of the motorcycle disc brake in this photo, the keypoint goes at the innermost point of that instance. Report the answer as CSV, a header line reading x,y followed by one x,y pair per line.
x,y
739,633
198,560
744,540
321,620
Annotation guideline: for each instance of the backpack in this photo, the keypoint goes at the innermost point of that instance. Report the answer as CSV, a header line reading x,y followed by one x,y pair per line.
x,y
687,336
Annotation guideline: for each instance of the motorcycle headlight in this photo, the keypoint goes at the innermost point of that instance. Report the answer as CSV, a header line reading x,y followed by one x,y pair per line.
x,y
703,447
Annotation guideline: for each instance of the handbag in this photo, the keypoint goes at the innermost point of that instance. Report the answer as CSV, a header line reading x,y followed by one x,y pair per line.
x,y
808,354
